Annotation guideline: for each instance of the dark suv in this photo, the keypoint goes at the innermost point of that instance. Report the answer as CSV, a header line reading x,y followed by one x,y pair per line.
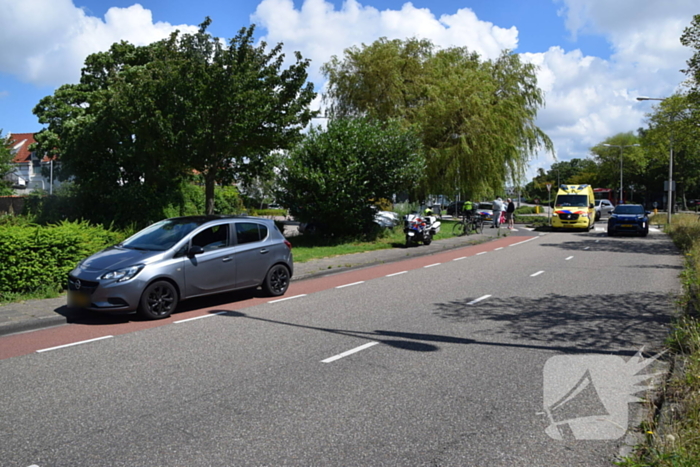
x,y
629,218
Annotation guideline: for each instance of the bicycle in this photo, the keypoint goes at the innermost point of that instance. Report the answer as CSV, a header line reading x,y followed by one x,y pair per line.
x,y
468,225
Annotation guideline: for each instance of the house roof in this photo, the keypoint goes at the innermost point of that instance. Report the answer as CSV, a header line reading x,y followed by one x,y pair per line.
x,y
20,147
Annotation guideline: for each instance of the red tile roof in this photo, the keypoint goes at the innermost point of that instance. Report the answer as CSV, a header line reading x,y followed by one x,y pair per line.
x,y
20,146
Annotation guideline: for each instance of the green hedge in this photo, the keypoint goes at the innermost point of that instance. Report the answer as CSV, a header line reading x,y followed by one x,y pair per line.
x,y
37,257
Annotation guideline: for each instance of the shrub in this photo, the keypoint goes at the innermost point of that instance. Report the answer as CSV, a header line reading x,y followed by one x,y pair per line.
x,y
33,257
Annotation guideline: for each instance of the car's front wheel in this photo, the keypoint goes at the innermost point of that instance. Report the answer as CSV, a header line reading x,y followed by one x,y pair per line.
x,y
276,281
158,301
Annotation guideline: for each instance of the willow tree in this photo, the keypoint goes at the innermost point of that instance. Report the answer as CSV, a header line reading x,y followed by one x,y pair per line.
x,y
476,117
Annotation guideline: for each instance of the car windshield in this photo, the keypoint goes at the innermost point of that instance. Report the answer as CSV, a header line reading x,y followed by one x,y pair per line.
x,y
485,206
629,209
162,235
597,202
572,200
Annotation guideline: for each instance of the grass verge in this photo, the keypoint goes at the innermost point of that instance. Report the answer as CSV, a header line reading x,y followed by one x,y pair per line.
x,y
673,439
307,248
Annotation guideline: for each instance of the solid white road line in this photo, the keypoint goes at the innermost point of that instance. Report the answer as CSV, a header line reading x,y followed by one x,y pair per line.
x,y
478,299
536,274
200,317
396,274
349,352
348,285
287,298
567,259
74,343
431,265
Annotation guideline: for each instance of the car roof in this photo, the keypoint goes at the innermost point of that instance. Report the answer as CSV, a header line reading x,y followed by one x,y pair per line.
x,y
211,218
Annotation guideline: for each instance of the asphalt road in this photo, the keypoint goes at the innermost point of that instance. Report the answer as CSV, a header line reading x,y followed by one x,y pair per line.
x,y
441,361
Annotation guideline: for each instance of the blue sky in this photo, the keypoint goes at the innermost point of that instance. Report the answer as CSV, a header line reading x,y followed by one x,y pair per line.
x,y
594,56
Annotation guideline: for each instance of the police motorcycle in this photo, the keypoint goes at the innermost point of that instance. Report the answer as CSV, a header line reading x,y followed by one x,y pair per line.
x,y
420,228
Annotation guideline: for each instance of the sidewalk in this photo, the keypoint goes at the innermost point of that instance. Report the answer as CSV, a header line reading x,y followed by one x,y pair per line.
x,y
37,314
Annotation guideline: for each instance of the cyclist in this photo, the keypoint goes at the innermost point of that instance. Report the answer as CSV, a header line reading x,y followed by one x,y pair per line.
x,y
468,210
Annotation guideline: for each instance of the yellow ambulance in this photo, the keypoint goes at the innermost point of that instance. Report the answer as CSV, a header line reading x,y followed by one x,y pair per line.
x,y
574,208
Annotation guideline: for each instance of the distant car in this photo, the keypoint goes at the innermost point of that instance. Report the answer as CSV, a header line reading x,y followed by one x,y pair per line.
x,y
455,208
603,207
180,258
386,219
486,211
629,218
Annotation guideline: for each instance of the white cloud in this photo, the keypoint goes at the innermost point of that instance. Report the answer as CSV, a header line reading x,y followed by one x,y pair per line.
x,y
320,31
590,99
45,42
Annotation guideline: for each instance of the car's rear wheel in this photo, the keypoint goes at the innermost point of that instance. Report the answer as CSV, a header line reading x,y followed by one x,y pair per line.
x,y
158,301
276,281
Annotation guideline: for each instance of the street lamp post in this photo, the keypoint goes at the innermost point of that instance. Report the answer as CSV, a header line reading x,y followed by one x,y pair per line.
x,y
670,161
622,147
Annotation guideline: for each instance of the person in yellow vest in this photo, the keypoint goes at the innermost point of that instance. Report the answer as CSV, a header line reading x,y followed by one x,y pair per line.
x,y
468,209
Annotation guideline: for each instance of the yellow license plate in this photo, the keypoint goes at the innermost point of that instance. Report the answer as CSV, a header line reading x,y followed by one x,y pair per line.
x,y
627,225
78,299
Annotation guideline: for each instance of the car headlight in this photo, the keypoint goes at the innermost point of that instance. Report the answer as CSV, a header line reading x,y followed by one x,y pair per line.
x,y
554,214
121,275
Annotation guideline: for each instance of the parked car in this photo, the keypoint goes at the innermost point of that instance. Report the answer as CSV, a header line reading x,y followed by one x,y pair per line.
x,y
455,208
387,219
486,211
603,207
180,258
629,218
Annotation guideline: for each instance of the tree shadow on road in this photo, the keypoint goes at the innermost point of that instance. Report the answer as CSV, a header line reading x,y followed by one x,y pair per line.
x,y
603,322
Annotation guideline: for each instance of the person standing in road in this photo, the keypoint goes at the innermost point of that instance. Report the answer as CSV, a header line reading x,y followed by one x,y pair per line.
x,y
497,208
510,210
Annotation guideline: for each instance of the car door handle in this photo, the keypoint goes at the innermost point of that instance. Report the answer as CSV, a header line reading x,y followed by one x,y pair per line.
x,y
264,251
226,259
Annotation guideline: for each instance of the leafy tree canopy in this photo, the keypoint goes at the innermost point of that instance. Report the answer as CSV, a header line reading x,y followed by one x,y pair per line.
x,y
334,176
142,119
475,117
6,165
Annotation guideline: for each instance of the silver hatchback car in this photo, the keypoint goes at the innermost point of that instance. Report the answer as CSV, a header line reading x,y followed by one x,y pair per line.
x,y
181,258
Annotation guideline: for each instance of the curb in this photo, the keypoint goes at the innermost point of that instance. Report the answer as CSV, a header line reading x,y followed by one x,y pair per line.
x,y
32,325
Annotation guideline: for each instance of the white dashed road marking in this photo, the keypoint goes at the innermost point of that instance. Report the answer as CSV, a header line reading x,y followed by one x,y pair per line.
x,y
478,300
396,274
349,285
537,273
74,343
287,298
349,352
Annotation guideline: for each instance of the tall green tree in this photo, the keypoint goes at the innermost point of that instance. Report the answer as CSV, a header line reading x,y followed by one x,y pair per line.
x,y
142,119
6,166
335,175
673,123
476,117
634,160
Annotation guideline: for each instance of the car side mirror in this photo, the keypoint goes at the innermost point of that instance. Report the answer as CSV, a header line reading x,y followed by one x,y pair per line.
x,y
648,212
195,250
591,206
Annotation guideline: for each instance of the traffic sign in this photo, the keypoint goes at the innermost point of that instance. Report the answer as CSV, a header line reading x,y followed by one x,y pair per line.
x,y
549,187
